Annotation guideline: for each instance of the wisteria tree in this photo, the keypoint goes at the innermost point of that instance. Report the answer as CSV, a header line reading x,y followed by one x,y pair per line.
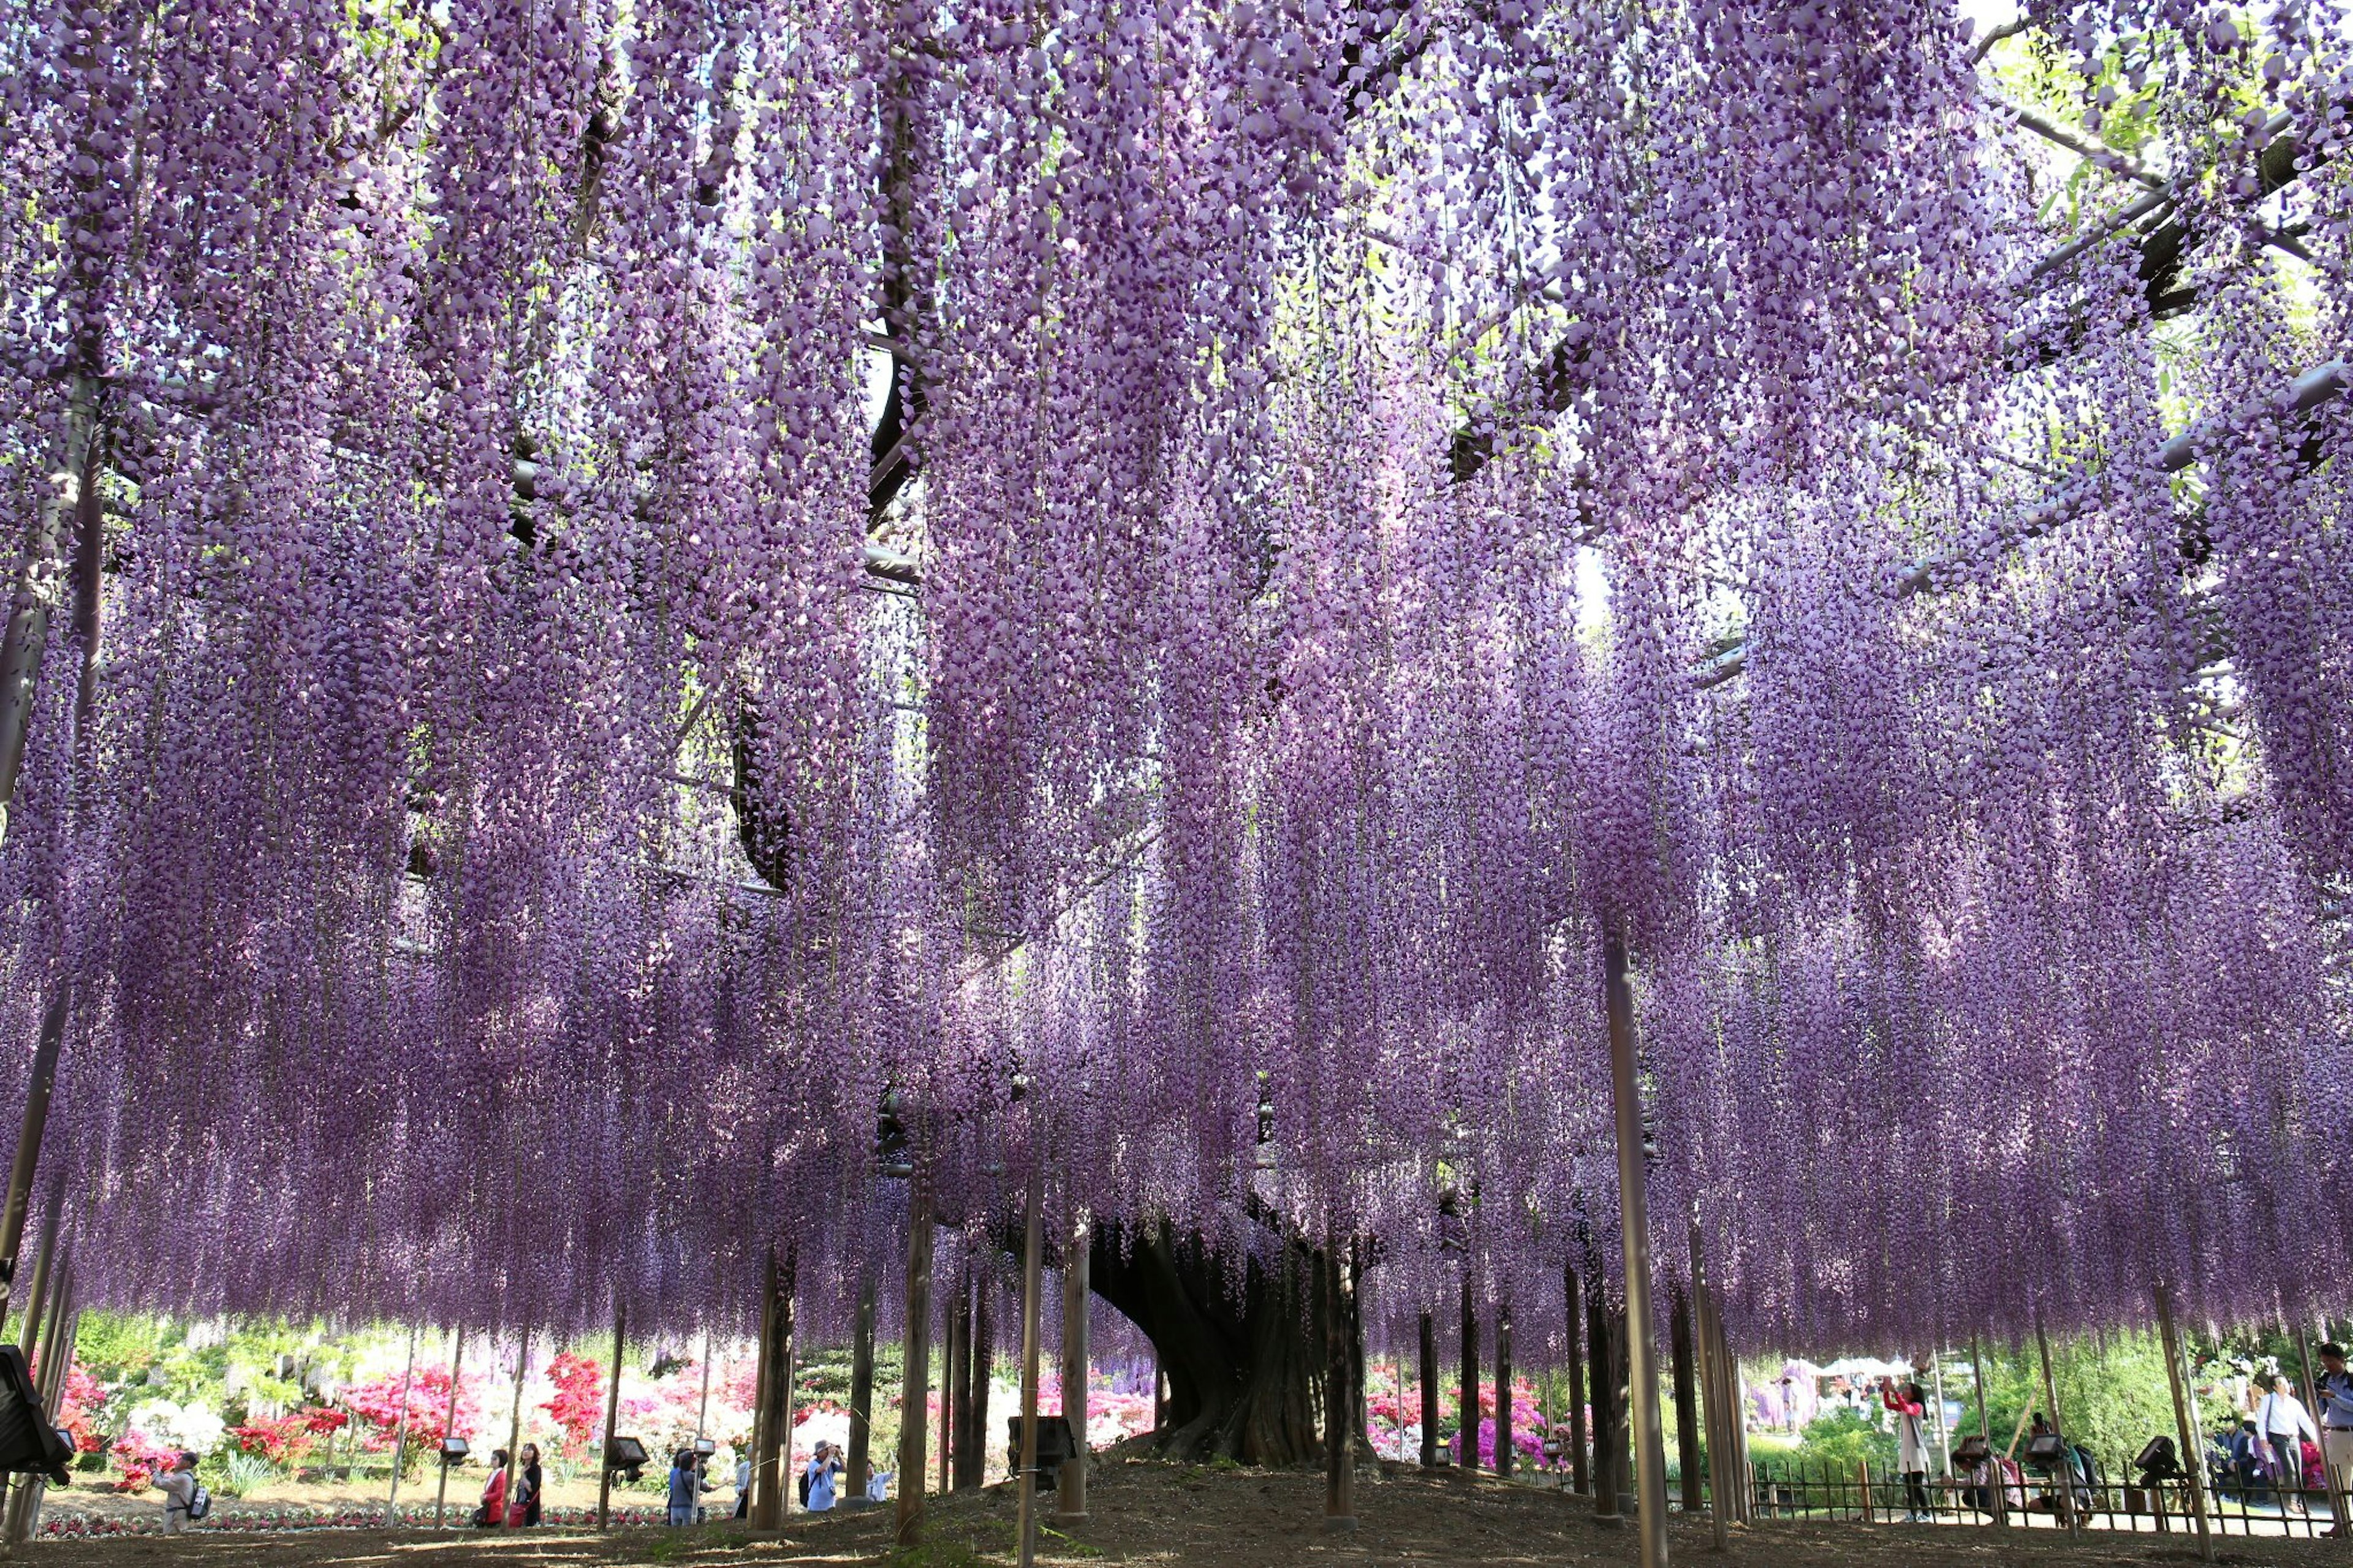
x,y
647,636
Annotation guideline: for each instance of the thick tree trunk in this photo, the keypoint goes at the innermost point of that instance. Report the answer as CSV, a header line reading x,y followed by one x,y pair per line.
x,y
1679,1341
1613,1471
1243,1369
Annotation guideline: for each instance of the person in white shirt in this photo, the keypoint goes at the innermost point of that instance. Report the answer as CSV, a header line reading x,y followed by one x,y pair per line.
x,y
878,1487
2281,1417
178,1486
743,1479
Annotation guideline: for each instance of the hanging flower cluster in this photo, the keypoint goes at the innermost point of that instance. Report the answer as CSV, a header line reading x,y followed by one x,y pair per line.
x,y
648,629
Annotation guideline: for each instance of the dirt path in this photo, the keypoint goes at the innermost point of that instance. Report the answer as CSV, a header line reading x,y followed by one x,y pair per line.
x,y
1149,1512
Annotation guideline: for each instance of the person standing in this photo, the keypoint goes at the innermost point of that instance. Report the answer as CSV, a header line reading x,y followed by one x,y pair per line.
x,y
686,1487
2283,1422
743,1478
1911,1444
178,1484
526,1499
492,1514
818,1487
2334,1389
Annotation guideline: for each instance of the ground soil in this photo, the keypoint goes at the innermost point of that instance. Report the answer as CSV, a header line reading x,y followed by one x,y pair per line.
x,y
1152,1512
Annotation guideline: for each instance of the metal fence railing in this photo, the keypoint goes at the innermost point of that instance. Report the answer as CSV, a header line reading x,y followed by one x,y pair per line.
x,y
2236,1504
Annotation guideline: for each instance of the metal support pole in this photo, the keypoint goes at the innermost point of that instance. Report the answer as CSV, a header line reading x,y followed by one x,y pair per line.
x,y
400,1436
1580,1480
1033,1262
449,1422
1428,1393
1071,1489
2193,1456
861,1386
613,1415
1634,1220
915,1363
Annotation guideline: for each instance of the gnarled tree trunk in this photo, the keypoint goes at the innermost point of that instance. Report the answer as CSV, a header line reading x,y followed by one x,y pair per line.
x,y
1245,1370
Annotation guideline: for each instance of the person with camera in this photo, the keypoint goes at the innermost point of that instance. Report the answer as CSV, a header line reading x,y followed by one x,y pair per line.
x,y
1910,1406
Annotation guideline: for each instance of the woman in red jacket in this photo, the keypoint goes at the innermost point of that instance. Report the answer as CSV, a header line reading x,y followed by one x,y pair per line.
x,y
494,1512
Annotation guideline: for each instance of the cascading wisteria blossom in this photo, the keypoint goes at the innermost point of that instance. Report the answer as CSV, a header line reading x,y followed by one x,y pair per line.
x,y
535,795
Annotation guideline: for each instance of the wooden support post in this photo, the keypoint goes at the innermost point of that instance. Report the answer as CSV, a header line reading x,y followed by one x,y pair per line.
x,y
1944,1427
915,1365
1580,1479
613,1415
703,1401
2066,1478
39,589
1727,1484
2001,1498
30,1340
861,1387
788,1399
1468,1414
1680,1373
1869,1511
400,1435
449,1422
763,1373
24,1509
975,1408
1071,1489
1033,1285
1634,1221
1340,1401
1503,1455
770,1480
1428,1393
2312,1403
2193,1456
514,1433
40,1085
956,1389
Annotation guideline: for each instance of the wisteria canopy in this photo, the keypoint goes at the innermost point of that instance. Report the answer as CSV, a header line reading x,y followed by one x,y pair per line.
x,y
643,622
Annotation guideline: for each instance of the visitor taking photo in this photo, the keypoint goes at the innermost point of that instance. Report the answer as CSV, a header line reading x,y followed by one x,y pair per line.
x,y
1911,1444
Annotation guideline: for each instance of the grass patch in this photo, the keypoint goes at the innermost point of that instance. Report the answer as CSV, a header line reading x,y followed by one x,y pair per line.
x,y
1071,1545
